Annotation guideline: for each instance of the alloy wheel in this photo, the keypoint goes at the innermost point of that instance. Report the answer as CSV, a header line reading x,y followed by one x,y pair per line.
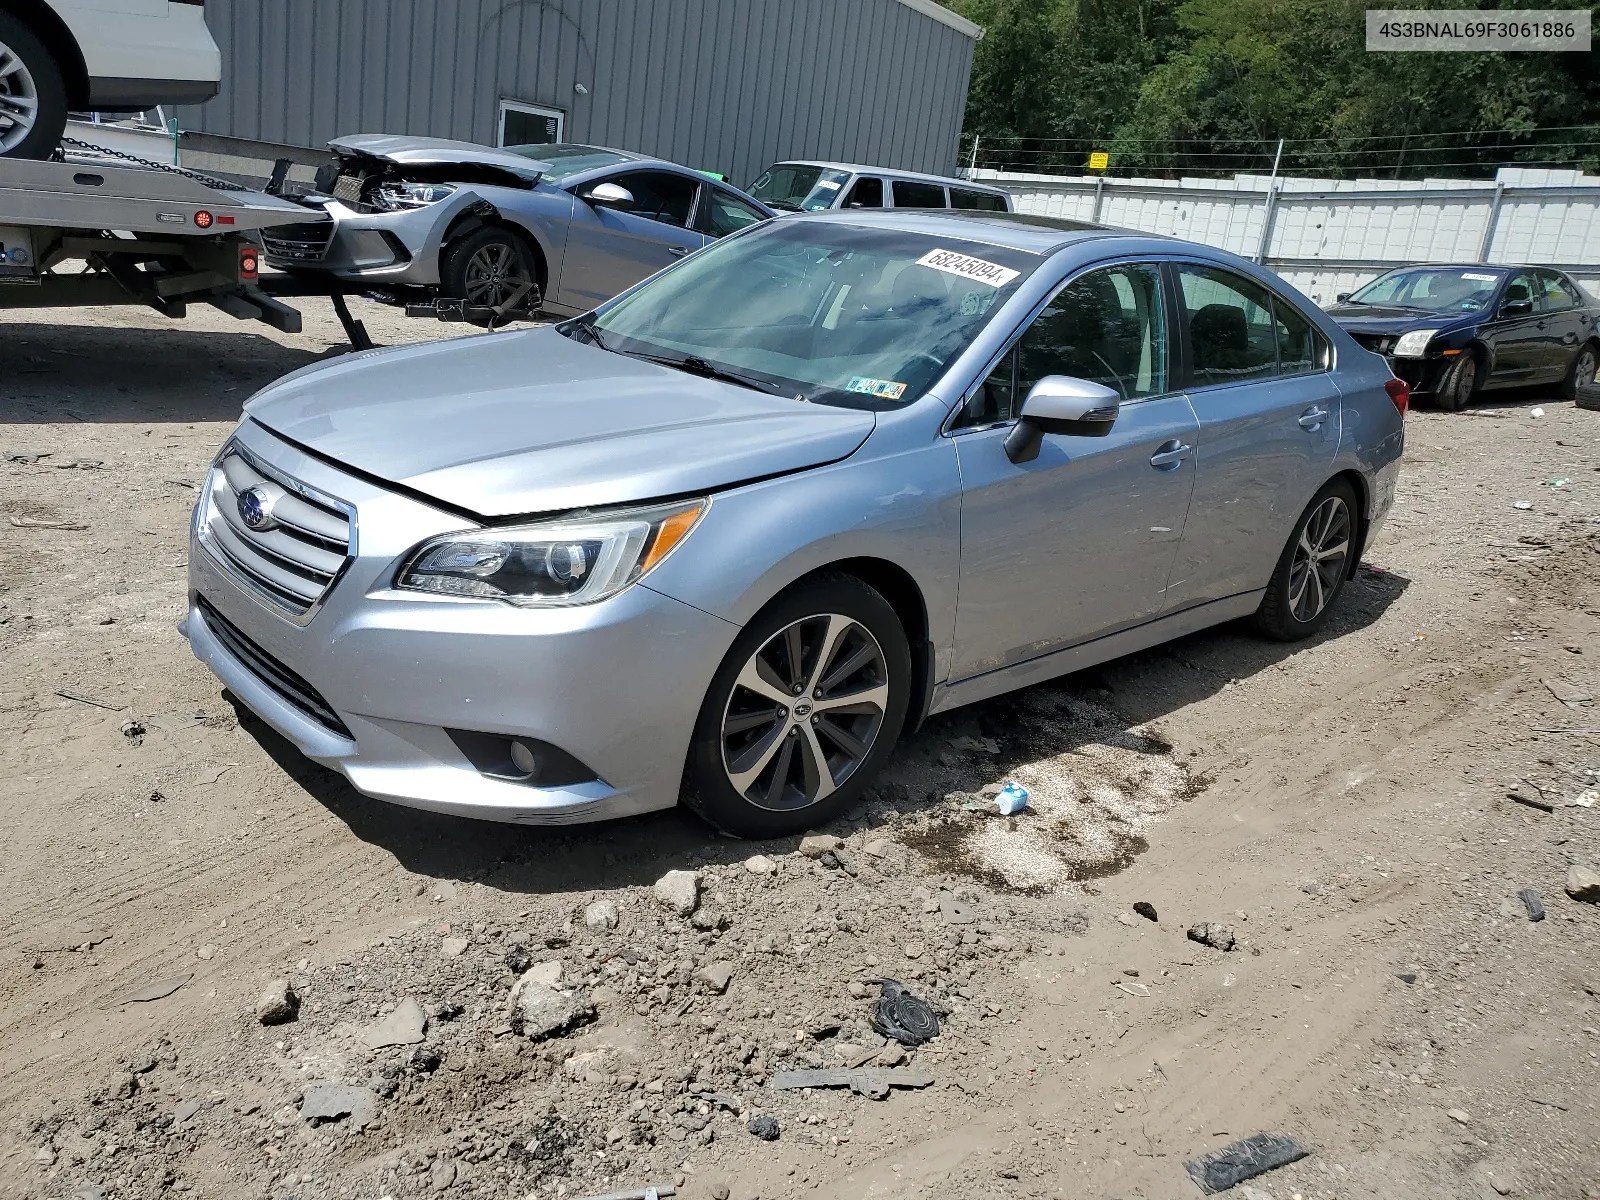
x,y
19,99
1584,370
1319,559
494,274
804,712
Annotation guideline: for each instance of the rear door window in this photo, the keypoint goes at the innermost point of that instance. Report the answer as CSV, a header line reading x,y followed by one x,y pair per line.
x,y
977,201
1301,349
1232,337
910,194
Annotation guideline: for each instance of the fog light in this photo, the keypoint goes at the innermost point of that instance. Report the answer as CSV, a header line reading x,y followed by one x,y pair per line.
x,y
523,759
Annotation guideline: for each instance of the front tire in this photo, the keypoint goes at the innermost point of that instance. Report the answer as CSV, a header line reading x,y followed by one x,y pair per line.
x,y
803,712
1581,374
33,96
1313,567
1460,383
487,268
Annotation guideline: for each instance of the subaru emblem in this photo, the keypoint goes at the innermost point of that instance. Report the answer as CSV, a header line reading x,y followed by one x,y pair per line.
x,y
255,509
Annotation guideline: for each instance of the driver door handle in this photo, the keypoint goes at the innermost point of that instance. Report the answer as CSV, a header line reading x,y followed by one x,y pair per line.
x,y
1313,417
1170,455
678,251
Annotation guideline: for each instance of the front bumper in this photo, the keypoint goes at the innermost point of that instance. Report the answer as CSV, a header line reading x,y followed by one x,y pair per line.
x,y
1425,375
398,249
617,685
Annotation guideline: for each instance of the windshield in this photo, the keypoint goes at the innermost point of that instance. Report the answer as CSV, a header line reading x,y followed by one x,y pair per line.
x,y
799,188
855,316
1434,289
567,160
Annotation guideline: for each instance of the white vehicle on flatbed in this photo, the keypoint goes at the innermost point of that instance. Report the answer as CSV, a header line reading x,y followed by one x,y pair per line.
x,y
97,56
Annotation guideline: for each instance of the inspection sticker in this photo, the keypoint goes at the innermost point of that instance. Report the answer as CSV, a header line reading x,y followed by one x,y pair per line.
x,y
1479,276
964,265
888,389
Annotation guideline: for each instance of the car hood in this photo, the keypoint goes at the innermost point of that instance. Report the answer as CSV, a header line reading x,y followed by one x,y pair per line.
x,y
1374,318
527,422
429,152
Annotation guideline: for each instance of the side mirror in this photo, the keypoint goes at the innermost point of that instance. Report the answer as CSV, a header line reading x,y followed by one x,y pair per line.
x,y
1516,308
1061,404
1341,297
607,195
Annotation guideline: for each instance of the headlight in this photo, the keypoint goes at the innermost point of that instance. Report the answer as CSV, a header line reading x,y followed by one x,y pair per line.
x,y
1414,344
396,196
571,560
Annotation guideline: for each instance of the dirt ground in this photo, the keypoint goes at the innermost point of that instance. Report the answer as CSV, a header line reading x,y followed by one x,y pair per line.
x,y
1341,806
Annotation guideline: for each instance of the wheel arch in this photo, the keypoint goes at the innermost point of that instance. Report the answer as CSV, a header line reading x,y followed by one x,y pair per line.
x,y
50,29
484,214
896,585
1363,491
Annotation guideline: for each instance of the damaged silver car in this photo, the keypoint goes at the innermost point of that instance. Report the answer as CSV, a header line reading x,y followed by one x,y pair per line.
x,y
509,230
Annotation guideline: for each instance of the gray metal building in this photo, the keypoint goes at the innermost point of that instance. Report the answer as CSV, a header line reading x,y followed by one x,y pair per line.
x,y
722,85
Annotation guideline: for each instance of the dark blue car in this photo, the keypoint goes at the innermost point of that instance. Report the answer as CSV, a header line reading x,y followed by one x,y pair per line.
x,y
1453,331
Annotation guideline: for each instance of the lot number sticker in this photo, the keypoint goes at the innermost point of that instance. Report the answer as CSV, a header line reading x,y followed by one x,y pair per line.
x,y
967,267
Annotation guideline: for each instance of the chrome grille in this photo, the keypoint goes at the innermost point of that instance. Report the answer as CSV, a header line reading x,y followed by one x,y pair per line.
x,y
290,560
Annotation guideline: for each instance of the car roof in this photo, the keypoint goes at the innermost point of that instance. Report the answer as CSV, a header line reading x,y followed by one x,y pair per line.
x,y
891,172
1018,231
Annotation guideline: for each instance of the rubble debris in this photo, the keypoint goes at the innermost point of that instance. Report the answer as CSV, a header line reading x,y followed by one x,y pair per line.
x,y
155,990
1219,937
1530,901
40,523
644,1193
325,1101
1538,802
1145,909
405,1026
601,916
543,1012
679,891
715,975
278,1003
1234,1164
871,1082
900,1015
1583,883
815,845
765,1128
134,730
518,959
67,694
1459,1116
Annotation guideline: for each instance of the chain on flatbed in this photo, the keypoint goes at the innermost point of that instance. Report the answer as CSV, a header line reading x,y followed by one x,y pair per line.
x,y
221,185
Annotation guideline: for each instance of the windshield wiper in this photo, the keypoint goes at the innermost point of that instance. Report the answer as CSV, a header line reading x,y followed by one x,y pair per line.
x,y
693,364
586,327
786,205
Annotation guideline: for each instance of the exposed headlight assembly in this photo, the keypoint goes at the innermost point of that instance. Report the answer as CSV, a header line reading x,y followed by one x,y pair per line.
x,y
1414,344
567,561
398,196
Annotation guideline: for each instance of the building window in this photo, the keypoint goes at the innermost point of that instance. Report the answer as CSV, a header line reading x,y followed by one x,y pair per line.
x,y
529,124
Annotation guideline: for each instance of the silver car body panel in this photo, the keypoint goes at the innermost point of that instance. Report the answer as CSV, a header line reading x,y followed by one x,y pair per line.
x,y
591,253
437,439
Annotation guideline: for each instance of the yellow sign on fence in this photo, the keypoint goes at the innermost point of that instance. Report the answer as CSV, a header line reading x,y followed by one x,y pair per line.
x,y
1099,160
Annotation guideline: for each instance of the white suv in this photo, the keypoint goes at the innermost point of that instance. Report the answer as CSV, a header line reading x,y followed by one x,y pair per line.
x,y
97,56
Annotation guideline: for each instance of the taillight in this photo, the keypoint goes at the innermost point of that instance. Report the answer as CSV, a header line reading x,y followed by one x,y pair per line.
x,y
1400,392
249,264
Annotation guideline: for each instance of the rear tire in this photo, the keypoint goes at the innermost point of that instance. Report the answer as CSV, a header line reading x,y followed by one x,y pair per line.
x,y
803,712
33,95
1460,383
486,268
1581,374
1313,567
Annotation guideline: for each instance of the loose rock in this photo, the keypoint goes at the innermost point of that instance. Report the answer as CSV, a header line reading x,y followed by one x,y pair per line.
x,y
765,1128
544,1012
715,975
453,947
442,1174
760,864
1145,909
404,1026
601,916
1219,937
325,1101
679,891
1459,1116
277,1004
817,844
1583,883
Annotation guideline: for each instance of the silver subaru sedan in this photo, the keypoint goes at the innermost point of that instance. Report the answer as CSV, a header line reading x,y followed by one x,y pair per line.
x,y
723,539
